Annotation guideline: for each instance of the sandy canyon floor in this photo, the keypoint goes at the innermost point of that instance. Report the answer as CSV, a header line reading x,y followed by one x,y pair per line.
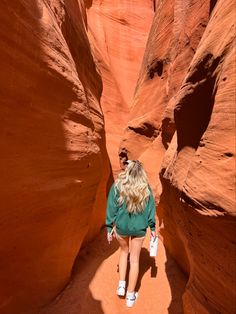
x,y
93,288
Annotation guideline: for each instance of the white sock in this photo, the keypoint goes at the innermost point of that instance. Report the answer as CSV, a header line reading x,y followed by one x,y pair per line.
x,y
122,283
130,294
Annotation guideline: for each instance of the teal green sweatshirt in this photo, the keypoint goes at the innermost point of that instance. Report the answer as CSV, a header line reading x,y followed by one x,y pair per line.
x,y
128,224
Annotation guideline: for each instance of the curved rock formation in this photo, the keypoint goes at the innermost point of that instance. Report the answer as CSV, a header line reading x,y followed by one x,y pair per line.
x,y
197,194
175,33
199,171
54,167
118,32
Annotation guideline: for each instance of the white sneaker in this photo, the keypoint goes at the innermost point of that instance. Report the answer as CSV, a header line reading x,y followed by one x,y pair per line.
x,y
120,291
131,298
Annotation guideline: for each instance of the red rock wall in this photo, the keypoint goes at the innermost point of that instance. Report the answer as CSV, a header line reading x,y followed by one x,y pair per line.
x,y
175,33
118,32
199,171
190,87
54,167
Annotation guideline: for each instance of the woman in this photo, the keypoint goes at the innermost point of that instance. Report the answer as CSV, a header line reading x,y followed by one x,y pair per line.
x,y
130,211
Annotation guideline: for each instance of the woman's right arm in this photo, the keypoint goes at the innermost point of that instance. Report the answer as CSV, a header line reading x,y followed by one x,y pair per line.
x,y
151,213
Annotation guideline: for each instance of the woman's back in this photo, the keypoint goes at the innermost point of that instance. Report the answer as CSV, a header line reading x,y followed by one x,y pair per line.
x,y
130,223
131,205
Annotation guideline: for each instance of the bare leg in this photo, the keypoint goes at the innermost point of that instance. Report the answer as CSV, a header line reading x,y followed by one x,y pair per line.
x,y
124,251
136,245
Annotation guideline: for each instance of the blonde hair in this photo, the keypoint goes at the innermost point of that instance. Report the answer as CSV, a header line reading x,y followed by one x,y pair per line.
x,y
132,187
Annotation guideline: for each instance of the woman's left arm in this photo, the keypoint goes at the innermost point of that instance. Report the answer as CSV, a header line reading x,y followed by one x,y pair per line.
x,y
111,210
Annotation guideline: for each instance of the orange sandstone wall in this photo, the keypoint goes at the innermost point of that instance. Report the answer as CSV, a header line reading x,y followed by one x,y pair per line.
x,y
118,32
182,125
173,39
54,166
198,171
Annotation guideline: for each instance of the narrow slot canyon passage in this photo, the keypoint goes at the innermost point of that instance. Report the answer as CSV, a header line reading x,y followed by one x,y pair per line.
x,y
153,81
118,33
81,82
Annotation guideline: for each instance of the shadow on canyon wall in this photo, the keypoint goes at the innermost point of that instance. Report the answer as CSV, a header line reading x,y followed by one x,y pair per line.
x,y
177,289
193,111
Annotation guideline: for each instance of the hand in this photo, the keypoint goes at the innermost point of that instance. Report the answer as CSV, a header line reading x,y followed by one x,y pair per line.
x,y
153,234
109,237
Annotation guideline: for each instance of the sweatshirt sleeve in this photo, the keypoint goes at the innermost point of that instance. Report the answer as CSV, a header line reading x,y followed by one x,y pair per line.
x,y
111,210
151,212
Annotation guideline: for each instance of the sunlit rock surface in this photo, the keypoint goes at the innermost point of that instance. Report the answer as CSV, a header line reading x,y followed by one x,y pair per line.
x,y
118,32
54,167
187,82
173,39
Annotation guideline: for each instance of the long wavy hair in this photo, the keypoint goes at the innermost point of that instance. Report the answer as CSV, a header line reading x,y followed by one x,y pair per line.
x,y
132,187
